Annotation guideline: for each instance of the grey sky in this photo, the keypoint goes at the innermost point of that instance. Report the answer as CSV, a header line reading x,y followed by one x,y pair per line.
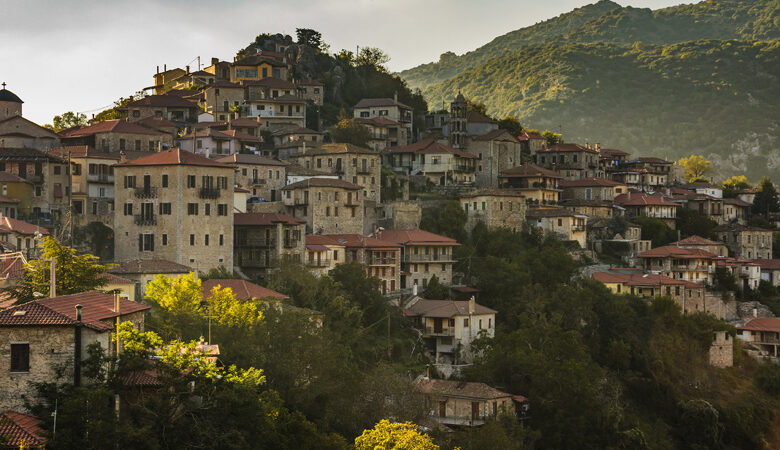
x,y
61,55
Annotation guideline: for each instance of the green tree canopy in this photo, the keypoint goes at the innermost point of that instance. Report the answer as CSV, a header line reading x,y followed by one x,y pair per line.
x,y
766,200
67,120
349,131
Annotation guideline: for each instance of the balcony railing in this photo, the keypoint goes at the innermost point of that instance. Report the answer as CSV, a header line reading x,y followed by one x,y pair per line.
x,y
377,261
431,331
301,201
33,178
146,192
208,193
100,178
318,263
144,219
461,168
291,243
253,242
257,181
426,258
364,170
352,202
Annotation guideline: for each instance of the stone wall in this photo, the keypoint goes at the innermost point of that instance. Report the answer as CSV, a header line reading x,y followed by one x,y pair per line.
x,y
267,207
722,350
400,214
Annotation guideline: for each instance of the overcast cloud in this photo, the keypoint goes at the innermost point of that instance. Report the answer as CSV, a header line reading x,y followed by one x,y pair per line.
x,y
82,55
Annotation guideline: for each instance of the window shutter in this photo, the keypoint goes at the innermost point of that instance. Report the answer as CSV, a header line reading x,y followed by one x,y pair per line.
x,y
151,242
140,242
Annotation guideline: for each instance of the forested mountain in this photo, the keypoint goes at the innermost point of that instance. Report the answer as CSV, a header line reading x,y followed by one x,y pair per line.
x,y
691,78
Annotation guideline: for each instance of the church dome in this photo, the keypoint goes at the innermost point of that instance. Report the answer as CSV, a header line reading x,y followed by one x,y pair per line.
x,y
8,96
460,98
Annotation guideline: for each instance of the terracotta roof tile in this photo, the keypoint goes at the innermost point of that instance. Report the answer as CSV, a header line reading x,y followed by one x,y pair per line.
x,y
115,279
415,237
243,290
9,225
636,279
642,199
447,308
695,240
375,102
8,177
174,156
96,307
771,324
493,192
672,251
359,241
113,126
528,170
163,100
569,148
246,158
589,182
322,182
466,389
428,146
19,430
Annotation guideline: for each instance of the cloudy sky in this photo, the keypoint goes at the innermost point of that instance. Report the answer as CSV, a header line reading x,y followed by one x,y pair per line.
x,y
62,55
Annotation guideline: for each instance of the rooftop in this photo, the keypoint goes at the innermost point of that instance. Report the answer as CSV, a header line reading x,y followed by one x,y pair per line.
x,y
242,289
355,241
589,182
246,158
174,156
375,102
569,148
446,308
112,126
695,240
163,100
771,324
9,225
415,237
264,219
528,170
465,389
149,266
672,251
643,199
21,430
428,146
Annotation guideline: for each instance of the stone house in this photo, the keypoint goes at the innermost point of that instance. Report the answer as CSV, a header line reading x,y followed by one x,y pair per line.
x,y
441,164
18,132
538,185
169,107
385,132
463,122
736,211
698,242
560,222
358,165
592,208
592,189
496,152
263,241
263,177
704,204
647,174
531,143
770,270
311,90
762,333
746,273
39,337
496,208
389,108
423,256
610,157
327,205
689,296
627,243
463,403
690,264
641,204
722,350
220,98
572,161
381,259
177,206
293,134
114,136
24,237
449,326
276,113
212,143
164,80
323,254
746,242
92,184
14,187
143,271
48,175
701,187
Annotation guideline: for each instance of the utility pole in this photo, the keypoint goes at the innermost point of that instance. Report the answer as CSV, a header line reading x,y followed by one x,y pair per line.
x,y
70,201
52,278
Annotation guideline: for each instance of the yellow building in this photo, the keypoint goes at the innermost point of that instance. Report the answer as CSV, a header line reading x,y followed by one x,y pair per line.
x,y
16,187
257,67
537,184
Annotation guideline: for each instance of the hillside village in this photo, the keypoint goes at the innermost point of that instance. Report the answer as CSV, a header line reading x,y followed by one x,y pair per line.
x,y
234,171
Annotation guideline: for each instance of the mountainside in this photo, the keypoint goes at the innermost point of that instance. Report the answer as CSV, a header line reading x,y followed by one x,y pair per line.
x,y
697,78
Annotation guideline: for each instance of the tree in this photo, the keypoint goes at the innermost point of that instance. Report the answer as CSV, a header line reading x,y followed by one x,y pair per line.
x,y
655,230
695,167
435,290
372,57
448,219
478,107
74,273
511,124
307,36
398,436
766,200
692,222
67,120
552,138
349,131
734,183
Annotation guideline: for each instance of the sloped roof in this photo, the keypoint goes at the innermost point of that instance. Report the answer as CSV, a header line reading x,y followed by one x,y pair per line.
x,y
174,156
447,308
21,430
495,135
529,136
9,225
317,239
8,96
695,240
244,122
27,154
493,192
465,389
322,182
589,182
8,177
264,219
95,307
149,266
672,251
416,237
270,82
242,289
376,102
642,199
246,158
115,279
738,228
338,149
528,170
51,134
379,121
768,264
113,126
428,146
537,213
477,117
612,152
82,151
636,279
156,122
771,324
357,240
295,130
163,100
736,202
569,148
33,314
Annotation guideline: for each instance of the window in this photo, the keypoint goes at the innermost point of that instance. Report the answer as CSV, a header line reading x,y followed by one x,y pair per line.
x,y
192,209
165,180
206,240
94,208
146,242
466,323
191,181
165,209
560,222
164,239
221,240
129,181
327,211
207,209
222,209
336,211
192,239
222,182
138,145
122,144
20,357
128,209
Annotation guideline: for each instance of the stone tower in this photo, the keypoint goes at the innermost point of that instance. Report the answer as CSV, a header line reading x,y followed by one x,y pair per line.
x,y
722,350
458,119
10,104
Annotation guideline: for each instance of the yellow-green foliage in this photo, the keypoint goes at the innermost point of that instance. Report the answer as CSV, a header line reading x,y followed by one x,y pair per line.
x,y
394,436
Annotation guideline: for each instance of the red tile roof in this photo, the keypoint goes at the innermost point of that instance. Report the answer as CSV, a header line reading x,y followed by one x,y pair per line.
x,y
635,279
264,219
317,239
33,314
82,151
164,100
447,308
672,251
8,177
642,199
493,192
529,136
246,158
428,146
589,182
356,240
379,121
113,126
462,389
695,240
243,290
416,237
528,170
244,122
768,264
156,122
771,324
9,225
115,279
174,156
612,152
569,148
95,307
270,82
478,117
495,135
18,430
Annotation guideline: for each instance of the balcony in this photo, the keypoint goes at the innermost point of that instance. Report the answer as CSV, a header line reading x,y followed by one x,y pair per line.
x,y
291,243
421,258
363,171
578,228
257,181
33,178
253,242
253,263
100,178
145,220
432,331
301,201
211,193
318,263
461,168
352,202
146,192
377,261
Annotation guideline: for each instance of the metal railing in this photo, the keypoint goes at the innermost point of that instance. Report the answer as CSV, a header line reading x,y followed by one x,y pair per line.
x,y
301,201
426,258
100,178
257,181
144,220
318,262
146,192
291,243
431,331
381,261
208,193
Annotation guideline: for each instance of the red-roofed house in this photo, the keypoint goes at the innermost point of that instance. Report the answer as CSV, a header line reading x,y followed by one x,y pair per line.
x,y
242,289
175,205
323,254
423,256
212,143
537,184
643,204
680,263
763,333
572,161
690,296
25,237
770,270
381,258
169,107
42,335
441,164
263,177
592,189
18,430
698,242
464,403
264,240
389,108
114,136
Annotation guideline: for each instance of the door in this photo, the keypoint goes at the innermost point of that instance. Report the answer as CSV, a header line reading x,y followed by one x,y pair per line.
x,y
437,325
147,182
474,410
443,408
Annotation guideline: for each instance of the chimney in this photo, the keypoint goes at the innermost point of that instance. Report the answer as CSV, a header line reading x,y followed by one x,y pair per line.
x,y
188,69
414,289
472,305
158,70
122,157
214,61
395,96
77,349
755,312
165,67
